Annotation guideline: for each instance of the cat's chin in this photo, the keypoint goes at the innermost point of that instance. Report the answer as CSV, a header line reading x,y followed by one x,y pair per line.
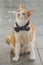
x,y
20,20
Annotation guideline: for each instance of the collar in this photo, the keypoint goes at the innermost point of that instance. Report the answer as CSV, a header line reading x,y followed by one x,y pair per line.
x,y
22,28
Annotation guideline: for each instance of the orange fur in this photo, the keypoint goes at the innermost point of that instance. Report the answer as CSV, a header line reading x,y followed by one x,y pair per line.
x,y
32,31
8,39
12,39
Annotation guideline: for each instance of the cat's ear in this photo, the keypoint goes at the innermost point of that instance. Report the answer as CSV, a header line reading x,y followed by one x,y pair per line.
x,y
30,12
21,6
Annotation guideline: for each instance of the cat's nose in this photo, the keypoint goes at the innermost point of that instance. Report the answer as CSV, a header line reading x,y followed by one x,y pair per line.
x,y
18,14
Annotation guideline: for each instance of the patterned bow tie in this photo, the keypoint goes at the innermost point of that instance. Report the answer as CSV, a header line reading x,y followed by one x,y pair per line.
x,y
22,28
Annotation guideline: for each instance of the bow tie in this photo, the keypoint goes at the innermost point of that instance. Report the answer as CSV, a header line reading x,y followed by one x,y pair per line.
x,y
22,28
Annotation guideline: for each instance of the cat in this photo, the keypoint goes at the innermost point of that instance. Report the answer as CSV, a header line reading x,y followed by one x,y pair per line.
x,y
24,34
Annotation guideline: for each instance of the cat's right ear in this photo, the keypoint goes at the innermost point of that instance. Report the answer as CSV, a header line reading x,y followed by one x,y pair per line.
x,y
30,12
14,12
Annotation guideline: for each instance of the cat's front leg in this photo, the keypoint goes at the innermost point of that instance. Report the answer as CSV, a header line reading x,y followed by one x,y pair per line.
x,y
17,52
32,51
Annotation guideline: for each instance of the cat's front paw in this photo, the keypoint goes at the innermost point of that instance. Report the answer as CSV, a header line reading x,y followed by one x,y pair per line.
x,y
32,57
15,58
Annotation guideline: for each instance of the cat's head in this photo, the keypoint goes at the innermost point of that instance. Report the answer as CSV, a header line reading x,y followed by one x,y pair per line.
x,y
23,14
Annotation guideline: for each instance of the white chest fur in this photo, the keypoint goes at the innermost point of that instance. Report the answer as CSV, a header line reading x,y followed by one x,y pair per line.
x,y
22,37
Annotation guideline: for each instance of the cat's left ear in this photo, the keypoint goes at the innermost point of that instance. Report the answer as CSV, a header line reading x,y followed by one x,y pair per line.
x,y
30,12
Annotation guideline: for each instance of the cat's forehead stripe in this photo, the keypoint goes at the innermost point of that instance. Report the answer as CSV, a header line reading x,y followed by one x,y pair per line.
x,y
19,9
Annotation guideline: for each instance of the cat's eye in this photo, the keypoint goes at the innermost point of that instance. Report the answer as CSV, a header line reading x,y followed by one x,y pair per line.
x,y
23,13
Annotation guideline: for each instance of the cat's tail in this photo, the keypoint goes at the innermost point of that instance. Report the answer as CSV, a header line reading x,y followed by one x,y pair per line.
x,y
8,39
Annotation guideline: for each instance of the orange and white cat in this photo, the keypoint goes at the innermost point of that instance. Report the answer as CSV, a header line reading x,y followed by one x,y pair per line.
x,y
22,40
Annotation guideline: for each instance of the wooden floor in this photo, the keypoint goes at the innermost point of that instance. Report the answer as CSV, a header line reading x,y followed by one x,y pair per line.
x,y
6,28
